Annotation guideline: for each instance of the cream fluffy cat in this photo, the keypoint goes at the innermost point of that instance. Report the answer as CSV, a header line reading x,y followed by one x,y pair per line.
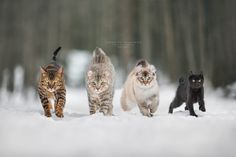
x,y
141,88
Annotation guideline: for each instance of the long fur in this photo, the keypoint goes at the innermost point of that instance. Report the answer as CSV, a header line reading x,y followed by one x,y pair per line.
x,y
134,93
100,81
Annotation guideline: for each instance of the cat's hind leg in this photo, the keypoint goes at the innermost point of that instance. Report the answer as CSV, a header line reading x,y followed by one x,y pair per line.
x,y
175,103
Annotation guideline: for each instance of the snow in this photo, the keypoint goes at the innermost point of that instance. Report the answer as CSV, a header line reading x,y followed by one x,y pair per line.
x,y
24,131
75,59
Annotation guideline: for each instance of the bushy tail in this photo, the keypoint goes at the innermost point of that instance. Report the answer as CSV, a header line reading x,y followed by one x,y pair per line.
x,y
99,56
55,53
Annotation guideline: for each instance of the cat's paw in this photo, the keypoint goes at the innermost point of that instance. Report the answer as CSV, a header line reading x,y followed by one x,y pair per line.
x,y
148,114
186,108
48,114
194,114
60,115
170,110
202,108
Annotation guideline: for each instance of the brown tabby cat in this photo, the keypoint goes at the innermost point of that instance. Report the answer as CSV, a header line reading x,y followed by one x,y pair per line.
x,y
51,87
100,81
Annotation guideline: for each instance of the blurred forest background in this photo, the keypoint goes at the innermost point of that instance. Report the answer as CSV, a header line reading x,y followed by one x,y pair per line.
x,y
175,35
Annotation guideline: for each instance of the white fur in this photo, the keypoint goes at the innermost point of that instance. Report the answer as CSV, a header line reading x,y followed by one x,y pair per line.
x,y
135,93
143,92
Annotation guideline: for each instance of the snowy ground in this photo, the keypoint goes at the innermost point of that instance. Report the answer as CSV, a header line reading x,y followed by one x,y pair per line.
x,y
24,131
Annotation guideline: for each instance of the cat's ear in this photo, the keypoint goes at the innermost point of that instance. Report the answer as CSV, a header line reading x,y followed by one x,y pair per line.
x,y
153,69
90,74
42,70
60,70
201,75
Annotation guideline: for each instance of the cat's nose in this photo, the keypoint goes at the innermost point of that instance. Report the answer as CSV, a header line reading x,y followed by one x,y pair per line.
x,y
51,86
145,73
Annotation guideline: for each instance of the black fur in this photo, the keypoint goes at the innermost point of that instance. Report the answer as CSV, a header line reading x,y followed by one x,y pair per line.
x,y
190,91
55,53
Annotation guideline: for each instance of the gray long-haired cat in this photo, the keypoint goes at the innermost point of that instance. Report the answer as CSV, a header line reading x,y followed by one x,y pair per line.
x,y
100,80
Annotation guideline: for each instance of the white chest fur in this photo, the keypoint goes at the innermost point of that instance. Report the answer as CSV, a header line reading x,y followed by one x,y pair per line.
x,y
144,93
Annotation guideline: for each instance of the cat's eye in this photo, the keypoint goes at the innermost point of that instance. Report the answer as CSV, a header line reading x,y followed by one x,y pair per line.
x,y
194,80
93,84
199,80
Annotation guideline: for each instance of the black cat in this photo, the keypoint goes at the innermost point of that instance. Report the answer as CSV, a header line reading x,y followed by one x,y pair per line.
x,y
190,91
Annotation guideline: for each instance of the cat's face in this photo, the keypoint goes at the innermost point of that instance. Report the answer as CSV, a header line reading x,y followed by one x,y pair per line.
x,y
51,80
196,81
98,81
145,76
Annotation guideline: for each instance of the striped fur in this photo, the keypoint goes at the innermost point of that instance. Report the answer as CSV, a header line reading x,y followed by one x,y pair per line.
x,y
51,88
100,81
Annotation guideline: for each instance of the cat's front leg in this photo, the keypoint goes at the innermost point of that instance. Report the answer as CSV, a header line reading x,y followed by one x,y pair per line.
x,y
202,105
106,108
47,111
60,102
45,103
191,109
153,106
144,109
92,106
110,110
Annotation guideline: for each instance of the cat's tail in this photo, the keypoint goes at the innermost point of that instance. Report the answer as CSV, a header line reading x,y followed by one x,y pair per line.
x,y
142,62
124,105
99,56
55,53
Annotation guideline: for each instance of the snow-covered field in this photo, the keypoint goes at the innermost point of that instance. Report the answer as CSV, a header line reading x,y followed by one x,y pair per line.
x,y
24,131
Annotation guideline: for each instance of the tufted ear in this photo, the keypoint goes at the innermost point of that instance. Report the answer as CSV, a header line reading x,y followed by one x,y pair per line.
x,y
153,69
42,70
89,74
